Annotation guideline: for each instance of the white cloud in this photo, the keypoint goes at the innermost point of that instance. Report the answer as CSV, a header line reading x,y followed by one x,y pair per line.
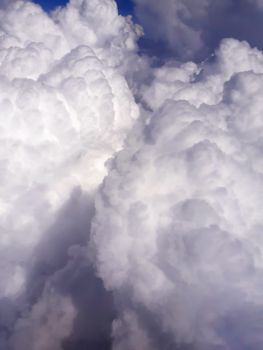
x,y
65,108
179,220
177,231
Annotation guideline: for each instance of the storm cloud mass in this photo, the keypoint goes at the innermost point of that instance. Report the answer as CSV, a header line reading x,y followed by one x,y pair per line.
x,y
131,176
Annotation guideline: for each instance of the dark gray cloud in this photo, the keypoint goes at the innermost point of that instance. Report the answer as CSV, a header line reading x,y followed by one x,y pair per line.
x,y
192,29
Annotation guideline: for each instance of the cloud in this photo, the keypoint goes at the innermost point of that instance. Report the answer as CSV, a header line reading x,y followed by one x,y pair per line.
x,y
39,330
193,29
65,110
178,219
130,198
62,288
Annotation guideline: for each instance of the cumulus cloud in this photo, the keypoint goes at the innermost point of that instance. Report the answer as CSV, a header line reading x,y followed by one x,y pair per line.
x,y
178,219
193,29
131,193
65,109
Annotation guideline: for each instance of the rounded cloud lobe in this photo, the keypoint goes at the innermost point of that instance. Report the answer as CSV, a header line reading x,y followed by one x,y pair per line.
x,y
179,216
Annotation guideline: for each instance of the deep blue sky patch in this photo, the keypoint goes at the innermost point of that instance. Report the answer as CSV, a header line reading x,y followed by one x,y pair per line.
x,y
49,5
125,6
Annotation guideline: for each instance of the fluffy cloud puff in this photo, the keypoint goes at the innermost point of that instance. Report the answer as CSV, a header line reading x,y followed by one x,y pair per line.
x,y
65,109
178,228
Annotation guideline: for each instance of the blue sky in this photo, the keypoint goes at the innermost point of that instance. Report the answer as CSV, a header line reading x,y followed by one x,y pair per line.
x,y
125,6
50,4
